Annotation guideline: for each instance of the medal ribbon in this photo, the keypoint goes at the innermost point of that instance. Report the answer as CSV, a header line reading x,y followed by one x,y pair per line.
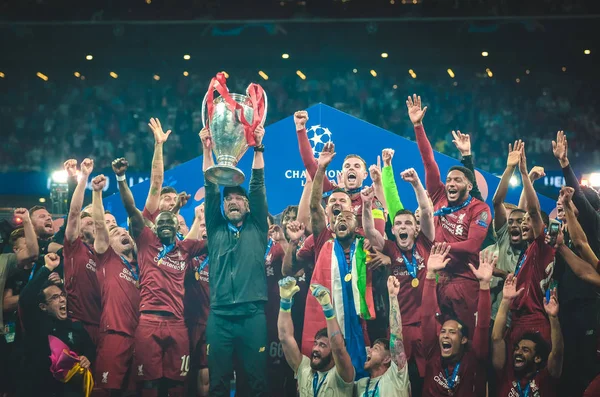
x,y
135,274
448,210
89,249
165,251
316,384
236,231
375,392
180,236
451,381
202,265
525,393
520,264
411,266
269,246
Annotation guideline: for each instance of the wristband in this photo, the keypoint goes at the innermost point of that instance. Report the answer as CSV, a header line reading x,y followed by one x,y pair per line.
x,y
285,305
121,178
329,312
259,148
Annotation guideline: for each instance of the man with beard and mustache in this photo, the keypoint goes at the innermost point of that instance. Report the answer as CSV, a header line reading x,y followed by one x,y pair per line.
x,y
327,369
196,305
159,198
43,308
386,359
409,252
507,225
340,266
578,299
82,282
161,343
534,268
354,172
237,242
460,220
120,298
535,369
455,367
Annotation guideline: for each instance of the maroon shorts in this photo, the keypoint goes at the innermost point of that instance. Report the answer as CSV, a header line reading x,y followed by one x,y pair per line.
x,y
411,334
114,360
198,344
458,296
161,348
521,326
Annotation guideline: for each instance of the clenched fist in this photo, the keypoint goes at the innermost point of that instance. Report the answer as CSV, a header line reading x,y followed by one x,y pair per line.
x,y
87,166
51,261
23,214
71,167
288,287
120,166
98,183
300,119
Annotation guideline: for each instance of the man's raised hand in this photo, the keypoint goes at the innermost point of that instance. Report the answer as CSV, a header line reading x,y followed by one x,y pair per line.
x,y
367,194
560,148
160,137
509,291
87,166
415,112
462,143
387,155
295,230
437,259
206,138
98,183
536,173
22,214
71,167
51,261
410,175
487,262
259,134
300,119
393,285
326,155
514,153
288,287
120,166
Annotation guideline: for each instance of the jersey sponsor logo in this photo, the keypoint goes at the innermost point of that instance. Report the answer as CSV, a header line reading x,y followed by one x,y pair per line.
x,y
104,377
126,275
441,380
269,259
203,275
140,370
534,390
270,271
452,227
91,265
178,265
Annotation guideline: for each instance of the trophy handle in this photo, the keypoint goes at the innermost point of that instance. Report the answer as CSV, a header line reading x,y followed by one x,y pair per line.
x,y
266,108
204,110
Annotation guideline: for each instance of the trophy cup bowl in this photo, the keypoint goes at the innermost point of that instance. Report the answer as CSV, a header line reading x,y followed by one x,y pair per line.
x,y
228,138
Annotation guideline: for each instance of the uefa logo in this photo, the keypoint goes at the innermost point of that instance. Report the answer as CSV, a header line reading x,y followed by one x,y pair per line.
x,y
318,137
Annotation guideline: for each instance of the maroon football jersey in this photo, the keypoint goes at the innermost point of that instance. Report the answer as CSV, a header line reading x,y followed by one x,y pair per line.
x,y
542,384
197,292
81,282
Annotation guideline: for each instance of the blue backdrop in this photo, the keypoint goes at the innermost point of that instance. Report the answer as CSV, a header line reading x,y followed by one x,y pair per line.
x,y
284,170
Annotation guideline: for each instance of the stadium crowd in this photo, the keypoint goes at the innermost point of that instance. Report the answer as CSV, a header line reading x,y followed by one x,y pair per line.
x,y
351,295
46,124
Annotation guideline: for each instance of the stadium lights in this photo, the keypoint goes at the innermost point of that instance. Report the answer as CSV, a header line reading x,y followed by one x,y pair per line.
x,y
156,77
485,54
412,73
354,70
300,74
60,176
489,72
42,200
263,75
114,75
384,54
42,76
285,56
455,84
89,57
527,71
450,73
392,2
187,57
373,73
186,74
148,1
594,179
587,52
395,86
518,80
514,181
77,74
564,69
1,75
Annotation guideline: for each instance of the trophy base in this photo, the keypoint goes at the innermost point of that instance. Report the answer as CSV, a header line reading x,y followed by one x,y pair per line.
x,y
225,175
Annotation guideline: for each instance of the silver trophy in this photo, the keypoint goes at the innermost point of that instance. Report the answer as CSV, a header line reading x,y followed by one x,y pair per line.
x,y
227,126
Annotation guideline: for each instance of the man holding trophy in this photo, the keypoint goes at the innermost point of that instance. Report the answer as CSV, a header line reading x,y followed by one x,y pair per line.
x,y
237,241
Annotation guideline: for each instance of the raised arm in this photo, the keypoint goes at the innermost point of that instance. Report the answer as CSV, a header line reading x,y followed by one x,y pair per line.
x,y
70,167
484,272
396,339
285,326
509,294
136,218
343,363
157,175
555,359
375,238
257,193
584,270
28,297
432,171
194,232
463,144
535,173
514,156
304,204
425,205
31,241
72,230
207,144
317,213
375,173
576,232
533,204
476,236
429,303
101,241
390,190
306,153
290,265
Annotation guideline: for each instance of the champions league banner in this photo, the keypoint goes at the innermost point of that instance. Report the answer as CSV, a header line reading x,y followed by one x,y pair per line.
x,y
285,172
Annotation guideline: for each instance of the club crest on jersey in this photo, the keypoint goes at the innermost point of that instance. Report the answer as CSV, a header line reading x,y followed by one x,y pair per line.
x,y
461,217
482,221
104,377
141,370
70,337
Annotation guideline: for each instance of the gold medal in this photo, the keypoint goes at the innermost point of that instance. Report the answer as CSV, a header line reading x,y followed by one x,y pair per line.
x,y
348,277
197,276
137,284
414,282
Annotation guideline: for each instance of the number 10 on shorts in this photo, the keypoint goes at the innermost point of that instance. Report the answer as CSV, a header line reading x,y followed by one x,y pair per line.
x,y
185,365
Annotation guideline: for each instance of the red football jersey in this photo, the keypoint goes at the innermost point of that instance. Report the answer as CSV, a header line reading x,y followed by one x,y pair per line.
x,y
309,251
81,282
409,297
273,262
151,216
542,384
162,280
197,292
534,275
120,294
